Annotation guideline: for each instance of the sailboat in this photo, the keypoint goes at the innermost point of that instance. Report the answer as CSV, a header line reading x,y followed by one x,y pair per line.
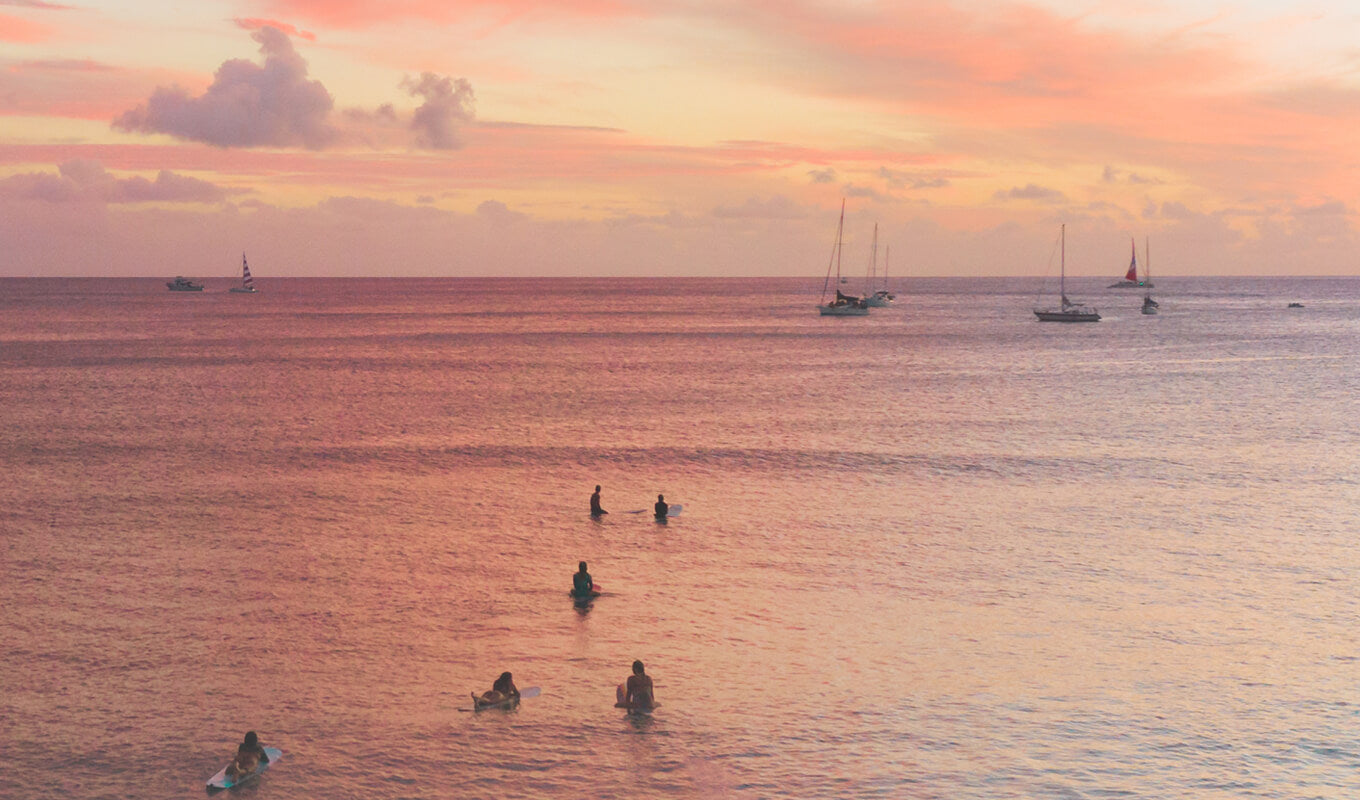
x,y
1149,305
883,294
247,283
1069,311
843,305
881,298
1131,277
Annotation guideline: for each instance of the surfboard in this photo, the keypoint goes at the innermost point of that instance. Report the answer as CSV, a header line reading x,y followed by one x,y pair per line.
x,y
621,692
672,511
220,781
509,702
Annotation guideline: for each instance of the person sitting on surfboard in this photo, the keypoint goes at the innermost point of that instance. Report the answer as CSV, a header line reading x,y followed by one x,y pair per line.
x,y
503,689
582,585
661,508
249,756
595,509
636,694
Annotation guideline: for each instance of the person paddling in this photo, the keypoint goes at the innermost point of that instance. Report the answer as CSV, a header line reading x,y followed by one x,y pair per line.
x,y
502,690
661,508
582,585
249,756
595,510
636,694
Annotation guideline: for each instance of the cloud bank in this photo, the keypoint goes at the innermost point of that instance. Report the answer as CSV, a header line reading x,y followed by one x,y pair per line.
x,y
85,180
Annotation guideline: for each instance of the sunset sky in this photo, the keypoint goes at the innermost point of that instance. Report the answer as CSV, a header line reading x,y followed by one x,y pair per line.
x,y
676,137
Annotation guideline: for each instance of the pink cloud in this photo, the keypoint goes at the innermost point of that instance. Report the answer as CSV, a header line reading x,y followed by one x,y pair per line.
x,y
247,105
1021,83
364,13
777,207
1030,191
252,24
17,30
75,88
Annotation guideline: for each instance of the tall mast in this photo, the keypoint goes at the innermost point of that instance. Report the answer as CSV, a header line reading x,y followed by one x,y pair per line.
x,y
840,229
835,254
1062,264
1147,268
873,263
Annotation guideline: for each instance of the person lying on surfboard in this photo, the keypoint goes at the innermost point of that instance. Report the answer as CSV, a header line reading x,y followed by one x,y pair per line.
x,y
636,694
249,755
582,585
503,689
661,508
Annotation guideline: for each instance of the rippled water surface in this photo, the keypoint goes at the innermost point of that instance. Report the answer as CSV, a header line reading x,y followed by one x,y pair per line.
x,y
944,551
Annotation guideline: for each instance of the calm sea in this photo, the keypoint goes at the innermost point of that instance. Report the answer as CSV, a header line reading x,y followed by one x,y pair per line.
x,y
944,551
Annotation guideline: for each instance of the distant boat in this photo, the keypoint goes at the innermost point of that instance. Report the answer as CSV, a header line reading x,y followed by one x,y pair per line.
x,y
843,305
184,285
1068,311
883,294
1295,305
247,283
881,298
1131,277
1149,305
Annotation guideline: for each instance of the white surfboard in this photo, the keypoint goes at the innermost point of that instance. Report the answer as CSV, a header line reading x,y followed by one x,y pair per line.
x,y
509,702
221,781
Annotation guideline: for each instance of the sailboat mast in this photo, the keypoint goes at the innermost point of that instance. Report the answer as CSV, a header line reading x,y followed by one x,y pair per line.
x,y
1062,263
835,254
873,263
1147,268
840,229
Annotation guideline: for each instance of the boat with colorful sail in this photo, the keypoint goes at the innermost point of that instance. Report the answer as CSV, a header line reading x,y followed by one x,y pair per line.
x,y
247,283
1131,277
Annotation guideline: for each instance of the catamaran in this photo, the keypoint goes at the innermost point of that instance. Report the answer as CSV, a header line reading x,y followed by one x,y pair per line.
x,y
843,305
1131,277
247,283
1068,311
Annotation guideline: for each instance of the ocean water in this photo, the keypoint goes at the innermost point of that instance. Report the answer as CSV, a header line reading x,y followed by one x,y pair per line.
x,y
944,551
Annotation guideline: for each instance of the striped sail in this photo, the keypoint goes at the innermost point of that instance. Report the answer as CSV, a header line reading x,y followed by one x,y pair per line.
x,y
246,281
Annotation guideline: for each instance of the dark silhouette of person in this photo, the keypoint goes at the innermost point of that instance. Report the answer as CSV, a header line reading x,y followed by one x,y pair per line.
x,y
582,585
595,510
